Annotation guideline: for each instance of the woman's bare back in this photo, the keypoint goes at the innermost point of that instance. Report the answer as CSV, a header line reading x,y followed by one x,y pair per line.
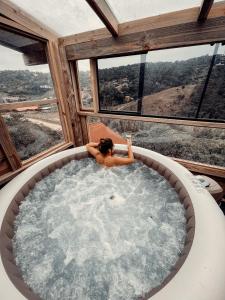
x,y
107,161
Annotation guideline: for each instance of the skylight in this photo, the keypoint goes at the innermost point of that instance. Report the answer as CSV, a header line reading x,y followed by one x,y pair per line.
x,y
65,17
128,10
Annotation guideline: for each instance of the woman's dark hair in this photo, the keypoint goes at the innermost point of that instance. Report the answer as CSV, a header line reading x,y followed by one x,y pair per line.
x,y
105,145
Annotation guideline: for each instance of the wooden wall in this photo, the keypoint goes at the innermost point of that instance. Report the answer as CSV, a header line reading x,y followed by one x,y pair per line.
x,y
4,164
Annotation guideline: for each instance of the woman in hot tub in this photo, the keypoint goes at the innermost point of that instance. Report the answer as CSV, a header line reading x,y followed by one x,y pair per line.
x,y
103,153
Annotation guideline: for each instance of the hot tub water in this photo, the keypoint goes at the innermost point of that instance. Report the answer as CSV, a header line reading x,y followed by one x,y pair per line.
x,y
89,232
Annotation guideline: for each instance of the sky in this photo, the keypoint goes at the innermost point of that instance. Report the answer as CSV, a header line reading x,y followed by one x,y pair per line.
x,y
128,10
13,60
64,17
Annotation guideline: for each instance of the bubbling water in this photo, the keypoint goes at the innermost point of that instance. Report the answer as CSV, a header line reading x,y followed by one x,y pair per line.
x,y
90,232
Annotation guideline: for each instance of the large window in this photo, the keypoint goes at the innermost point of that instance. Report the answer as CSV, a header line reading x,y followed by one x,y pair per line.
x,y
27,99
186,82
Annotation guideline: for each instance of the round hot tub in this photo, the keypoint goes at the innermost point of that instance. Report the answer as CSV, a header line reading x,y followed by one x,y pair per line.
x,y
197,273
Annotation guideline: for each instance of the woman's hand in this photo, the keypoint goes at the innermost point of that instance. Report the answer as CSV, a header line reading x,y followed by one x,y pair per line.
x,y
129,142
92,144
92,148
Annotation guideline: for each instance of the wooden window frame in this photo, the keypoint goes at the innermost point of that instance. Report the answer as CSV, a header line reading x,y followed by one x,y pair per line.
x,y
24,25
74,68
136,113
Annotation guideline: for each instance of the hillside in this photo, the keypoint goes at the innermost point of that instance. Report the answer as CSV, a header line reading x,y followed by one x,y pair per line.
x,y
158,76
170,102
25,85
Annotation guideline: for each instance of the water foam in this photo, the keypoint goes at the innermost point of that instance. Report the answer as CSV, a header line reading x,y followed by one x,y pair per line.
x,y
89,232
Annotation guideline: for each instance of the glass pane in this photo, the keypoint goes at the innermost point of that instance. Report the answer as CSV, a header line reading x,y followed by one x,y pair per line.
x,y
174,80
26,77
85,85
33,131
119,82
200,144
171,81
19,82
63,16
131,10
213,105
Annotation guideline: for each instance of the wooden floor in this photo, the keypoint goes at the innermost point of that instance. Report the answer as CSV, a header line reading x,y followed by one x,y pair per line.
x,y
97,131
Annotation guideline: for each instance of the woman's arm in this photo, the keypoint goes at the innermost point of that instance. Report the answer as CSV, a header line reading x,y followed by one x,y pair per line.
x,y
130,152
91,148
92,144
119,161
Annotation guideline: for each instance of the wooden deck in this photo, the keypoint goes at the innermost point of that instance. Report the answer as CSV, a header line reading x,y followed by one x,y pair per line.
x,y
99,130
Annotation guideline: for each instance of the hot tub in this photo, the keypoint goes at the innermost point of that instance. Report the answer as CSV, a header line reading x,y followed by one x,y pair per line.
x,y
200,270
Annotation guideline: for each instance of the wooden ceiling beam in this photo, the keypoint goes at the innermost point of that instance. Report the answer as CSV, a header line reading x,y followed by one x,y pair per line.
x,y
4,22
204,10
104,12
16,14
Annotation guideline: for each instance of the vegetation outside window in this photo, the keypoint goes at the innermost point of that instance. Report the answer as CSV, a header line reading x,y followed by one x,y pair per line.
x,y
119,83
213,104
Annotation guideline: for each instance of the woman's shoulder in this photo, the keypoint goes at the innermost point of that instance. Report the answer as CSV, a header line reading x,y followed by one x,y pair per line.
x,y
99,158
